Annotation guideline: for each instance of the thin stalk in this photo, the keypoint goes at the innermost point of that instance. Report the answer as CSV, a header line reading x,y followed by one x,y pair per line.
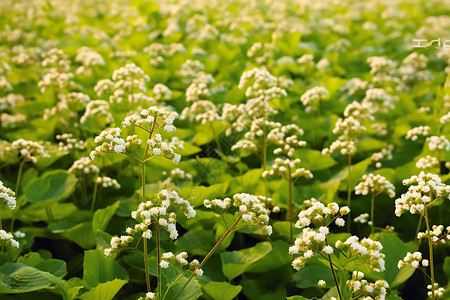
x,y
147,274
419,225
48,210
263,162
349,191
313,129
215,137
207,256
158,254
290,204
430,249
334,275
372,205
94,197
18,180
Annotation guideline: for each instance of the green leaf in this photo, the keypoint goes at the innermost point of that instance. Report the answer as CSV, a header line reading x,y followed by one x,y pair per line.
x,y
196,241
197,194
104,291
51,187
100,269
237,262
313,160
446,267
56,267
81,234
395,249
20,278
221,290
296,298
274,259
103,216
311,274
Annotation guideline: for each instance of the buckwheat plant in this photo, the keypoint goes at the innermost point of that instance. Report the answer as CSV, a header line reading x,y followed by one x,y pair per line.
x,y
7,196
312,242
311,100
156,215
374,185
424,190
286,138
251,211
361,288
349,129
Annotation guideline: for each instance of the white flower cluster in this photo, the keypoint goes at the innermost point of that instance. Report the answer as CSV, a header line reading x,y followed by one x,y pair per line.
x,y
419,195
161,148
68,107
29,150
310,242
436,235
159,52
317,213
259,83
375,185
355,86
281,167
378,101
445,118
149,213
153,116
190,69
10,101
362,218
106,182
197,91
359,111
84,166
12,121
89,60
367,249
261,52
305,63
349,128
380,64
384,154
111,141
438,143
286,137
252,209
97,109
363,289
313,96
57,73
413,259
7,239
68,142
416,132
4,70
177,174
180,260
7,196
202,111
438,291
427,162
161,92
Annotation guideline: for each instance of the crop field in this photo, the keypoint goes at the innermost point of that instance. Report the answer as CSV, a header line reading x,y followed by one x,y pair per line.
x,y
224,149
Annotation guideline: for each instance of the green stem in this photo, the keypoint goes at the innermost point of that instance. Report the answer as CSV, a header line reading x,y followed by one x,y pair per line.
x,y
158,255
349,191
48,210
334,275
263,162
419,225
147,274
19,179
290,204
430,249
207,256
94,197
215,137
372,204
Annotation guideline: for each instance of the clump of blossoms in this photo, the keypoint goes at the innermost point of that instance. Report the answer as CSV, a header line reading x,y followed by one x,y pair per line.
x,y
68,142
29,150
83,166
127,88
415,133
424,190
384,154
7,239
438,143
311,242
437,234
106,182
89,60
7,196
374,185
160,214
67,109
312,97
57,73
286,138
150,120
414,260
349,130
98,111
427,162
361,288
180,260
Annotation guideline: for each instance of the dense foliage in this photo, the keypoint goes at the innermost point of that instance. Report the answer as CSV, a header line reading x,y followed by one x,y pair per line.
x,y
217,149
